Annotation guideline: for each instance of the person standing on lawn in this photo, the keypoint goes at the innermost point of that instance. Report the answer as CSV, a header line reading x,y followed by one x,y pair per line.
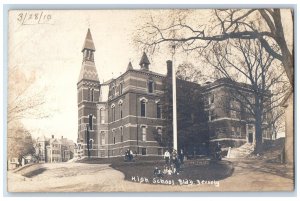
x,y
167,157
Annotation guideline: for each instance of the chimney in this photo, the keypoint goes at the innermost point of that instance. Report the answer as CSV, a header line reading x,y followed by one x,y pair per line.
x,y
169,68
52,136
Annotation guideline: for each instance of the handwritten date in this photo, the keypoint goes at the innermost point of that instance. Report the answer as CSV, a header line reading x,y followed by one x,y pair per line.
x,y
34,18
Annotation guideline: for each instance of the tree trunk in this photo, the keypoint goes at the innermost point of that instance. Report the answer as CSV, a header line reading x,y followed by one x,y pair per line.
x,y
258,126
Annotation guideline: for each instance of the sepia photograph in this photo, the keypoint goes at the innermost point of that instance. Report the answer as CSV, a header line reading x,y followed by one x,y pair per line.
x,y
150,100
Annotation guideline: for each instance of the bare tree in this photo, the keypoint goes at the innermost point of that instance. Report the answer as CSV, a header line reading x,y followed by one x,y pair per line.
x,y
264,25
248,61
24,99
188,72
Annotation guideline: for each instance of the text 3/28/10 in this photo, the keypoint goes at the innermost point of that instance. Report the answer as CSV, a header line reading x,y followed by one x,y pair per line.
x,y
33,18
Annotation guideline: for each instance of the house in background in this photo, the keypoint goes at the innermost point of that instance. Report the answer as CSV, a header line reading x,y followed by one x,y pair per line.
x,y
53,150
40,148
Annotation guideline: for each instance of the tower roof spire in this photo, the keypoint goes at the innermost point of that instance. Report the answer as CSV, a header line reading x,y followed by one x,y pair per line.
x,y
144,59
129,67
88,42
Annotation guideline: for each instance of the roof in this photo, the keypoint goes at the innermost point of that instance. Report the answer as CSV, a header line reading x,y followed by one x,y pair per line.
x,y
144,59
54,140
88,72
129,67
41,138
88,42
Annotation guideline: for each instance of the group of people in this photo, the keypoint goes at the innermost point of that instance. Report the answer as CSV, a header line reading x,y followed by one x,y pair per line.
x,y
128,155
173,162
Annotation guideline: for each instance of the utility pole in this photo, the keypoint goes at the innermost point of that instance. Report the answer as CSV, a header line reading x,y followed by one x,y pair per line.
x,y
88,140
174,100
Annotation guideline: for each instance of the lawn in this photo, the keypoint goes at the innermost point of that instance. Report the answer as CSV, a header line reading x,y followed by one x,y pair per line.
x,y
193,171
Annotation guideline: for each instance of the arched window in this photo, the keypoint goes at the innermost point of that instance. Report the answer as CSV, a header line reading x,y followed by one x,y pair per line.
x,y
121,110
113,112
92,95
143,108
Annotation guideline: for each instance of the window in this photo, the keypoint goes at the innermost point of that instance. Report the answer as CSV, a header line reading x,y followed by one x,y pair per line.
x,y
121,89
238,131
92,95
159,132
150,86
144,152
121,110
102,137
143,108
211,115
211,99
89,94
144,133
121,134
114,140
113,91
159,151
113,112
232,131
91,144
91,121
102,120
159,113
233,114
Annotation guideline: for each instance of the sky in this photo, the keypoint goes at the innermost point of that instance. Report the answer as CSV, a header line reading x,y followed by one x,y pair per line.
x,y
51,48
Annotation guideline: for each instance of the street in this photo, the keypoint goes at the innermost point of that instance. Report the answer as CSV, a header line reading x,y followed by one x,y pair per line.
x,y
81,177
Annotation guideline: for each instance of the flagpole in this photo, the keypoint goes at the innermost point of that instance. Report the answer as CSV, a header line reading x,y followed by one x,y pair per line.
x,y
174,101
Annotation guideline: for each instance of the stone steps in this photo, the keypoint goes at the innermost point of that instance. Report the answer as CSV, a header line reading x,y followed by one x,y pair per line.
x,y
242,151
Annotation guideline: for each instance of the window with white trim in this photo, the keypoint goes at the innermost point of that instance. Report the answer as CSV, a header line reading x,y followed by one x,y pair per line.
x,y
144,133
102,137
113,113
102,116
143,108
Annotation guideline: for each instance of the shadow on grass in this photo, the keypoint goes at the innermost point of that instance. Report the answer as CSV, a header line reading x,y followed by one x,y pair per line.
x,y
192,170
34,172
